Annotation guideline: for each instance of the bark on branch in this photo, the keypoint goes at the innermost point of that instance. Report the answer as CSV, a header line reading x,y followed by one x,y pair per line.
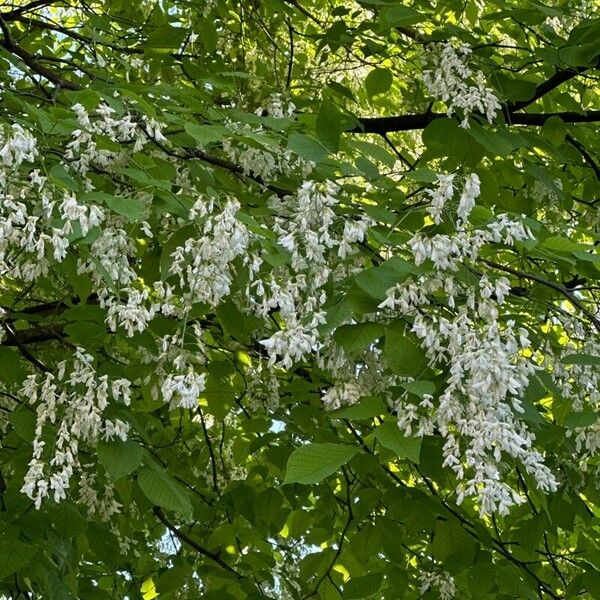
x,y
383,125
510,110
32,61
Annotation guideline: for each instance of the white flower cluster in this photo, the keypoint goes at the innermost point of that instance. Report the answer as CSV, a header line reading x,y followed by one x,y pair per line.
x,y
72,401
27,235
104,504
43,222
486,358
178,377
20,146
39,221
580,385
478,410
342,394
572,14
184,390
203,263
452,81
277,107
354,377
305,228
256,154
226,467
441,581
306,234
448,252
84,151
444,191
262,389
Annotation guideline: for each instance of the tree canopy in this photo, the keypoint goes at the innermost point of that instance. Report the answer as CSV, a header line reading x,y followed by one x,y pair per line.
x,y
299,299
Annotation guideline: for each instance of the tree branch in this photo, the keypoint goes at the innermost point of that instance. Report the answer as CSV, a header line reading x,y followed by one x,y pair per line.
x,y
551,284
510,110
27,8
584,153
22,349
383,125
34,335
192,543
32,61
561,76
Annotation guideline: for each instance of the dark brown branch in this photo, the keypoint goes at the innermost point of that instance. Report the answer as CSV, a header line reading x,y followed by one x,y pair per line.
x,y
27,8
32,61
560,77
497,545
397,152
340,545
213,460
303,10
561,289
383,125
34,335
586,116
22,349
193,543
49,26
288,80
219,162
585,154
510,110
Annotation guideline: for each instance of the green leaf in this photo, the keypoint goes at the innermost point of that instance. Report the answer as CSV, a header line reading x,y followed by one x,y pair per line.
x,y
205,134
367,168
555,130
164,40
451,543
444,137
363,587
511,88
399,16
311,463
581,359
11,369
235,323
162,491
68,520
498,143
307,147
580,55
390,437
132,208
378,81
61,178
23,422
329,125
374,151
582,418
338,88
402,353
562,244
15,555
119,458
368,407
376,281
354,338
420,388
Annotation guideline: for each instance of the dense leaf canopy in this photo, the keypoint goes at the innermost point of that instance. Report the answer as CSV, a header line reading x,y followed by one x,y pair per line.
x,y
299,299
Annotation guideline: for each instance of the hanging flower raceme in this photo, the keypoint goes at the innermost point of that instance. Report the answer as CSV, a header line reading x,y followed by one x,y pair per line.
x,y
19,146
451,80
485,357
71,405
